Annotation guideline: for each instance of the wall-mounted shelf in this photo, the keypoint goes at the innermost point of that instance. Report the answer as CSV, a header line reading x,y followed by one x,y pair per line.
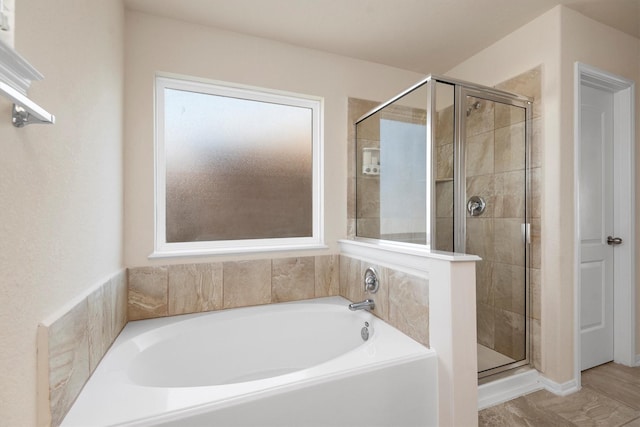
x,y
16,75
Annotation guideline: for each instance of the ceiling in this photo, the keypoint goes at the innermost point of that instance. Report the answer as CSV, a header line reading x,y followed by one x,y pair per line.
x,y
426,36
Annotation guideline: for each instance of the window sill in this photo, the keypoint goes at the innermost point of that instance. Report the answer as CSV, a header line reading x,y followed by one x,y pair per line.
x,y
178,253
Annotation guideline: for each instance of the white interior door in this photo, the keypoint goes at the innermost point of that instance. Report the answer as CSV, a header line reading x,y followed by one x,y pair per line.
x,y
596,195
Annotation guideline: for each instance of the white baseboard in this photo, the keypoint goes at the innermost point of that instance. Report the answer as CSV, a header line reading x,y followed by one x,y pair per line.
x,y
508,388
563,389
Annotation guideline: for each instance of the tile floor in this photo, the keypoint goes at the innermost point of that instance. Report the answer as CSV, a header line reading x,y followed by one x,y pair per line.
x,y
610,396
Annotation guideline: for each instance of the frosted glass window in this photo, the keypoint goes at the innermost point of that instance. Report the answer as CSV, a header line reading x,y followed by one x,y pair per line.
x,y
237,168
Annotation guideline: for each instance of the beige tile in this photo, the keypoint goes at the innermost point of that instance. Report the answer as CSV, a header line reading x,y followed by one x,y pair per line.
x,y
369,128
510,148
507,115
119,300
519,413
486,325
536,345
246,283
409,305
444,199
194,288
368,198
537,143
351,198
528,84
585,408
509,285
69,367
535,293
618,382
99,312
444,126
508,241
351,285
368,227
444,234
480,237
351,228
509,338
634,423
358,107
147,292
480,120
444,161
510,194
536,192
480,154
292,279
485,292
327,275
535,244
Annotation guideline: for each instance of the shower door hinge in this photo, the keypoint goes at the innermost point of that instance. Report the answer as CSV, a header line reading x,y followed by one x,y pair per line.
x,y
526,233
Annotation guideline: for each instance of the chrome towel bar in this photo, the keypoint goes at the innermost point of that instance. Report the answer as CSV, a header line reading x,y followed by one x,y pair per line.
x,y
25,111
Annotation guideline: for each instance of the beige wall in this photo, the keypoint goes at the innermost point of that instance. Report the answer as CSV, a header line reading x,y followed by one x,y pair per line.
x,y
159,44
61,185
556,40
592,43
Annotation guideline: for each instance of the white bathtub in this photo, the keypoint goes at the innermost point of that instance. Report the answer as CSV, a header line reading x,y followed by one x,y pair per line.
x,y
295,364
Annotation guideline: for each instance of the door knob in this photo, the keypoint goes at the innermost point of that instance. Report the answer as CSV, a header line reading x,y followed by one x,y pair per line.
x,y
613,240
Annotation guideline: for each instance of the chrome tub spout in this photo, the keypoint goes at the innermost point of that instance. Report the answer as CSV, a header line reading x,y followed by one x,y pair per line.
x,y
367,304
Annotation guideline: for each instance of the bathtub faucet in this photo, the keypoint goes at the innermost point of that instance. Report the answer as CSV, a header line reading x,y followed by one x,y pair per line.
x,y
367,304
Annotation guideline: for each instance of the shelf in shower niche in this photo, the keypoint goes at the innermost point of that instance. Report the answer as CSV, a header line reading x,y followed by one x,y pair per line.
x,y
438,181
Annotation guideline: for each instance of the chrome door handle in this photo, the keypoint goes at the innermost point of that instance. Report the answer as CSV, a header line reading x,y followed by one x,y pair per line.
x,y
613,240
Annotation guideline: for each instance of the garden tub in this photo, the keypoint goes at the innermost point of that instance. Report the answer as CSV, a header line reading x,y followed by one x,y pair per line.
x,y
307,363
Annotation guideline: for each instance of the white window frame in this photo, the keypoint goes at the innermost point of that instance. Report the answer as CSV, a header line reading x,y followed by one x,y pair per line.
x,y
162,248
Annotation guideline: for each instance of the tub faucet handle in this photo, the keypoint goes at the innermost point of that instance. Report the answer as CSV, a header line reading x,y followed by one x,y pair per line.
x,y
371,282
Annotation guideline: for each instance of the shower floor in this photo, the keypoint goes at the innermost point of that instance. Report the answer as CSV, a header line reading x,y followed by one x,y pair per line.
x,y
488,359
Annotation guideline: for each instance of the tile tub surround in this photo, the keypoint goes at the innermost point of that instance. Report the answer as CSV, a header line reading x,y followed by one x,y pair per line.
x,y
402,300
72,342
160,291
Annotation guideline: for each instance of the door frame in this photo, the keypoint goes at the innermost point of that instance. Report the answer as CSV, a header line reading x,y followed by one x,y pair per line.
x,y
624,301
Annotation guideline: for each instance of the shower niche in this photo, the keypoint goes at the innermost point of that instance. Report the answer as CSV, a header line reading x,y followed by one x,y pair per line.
x,y
451,164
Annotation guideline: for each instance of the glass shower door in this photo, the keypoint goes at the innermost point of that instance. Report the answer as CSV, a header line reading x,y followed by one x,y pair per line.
x,y
494,146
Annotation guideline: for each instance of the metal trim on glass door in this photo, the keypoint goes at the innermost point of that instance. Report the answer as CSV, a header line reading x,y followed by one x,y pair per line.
x,y
461,198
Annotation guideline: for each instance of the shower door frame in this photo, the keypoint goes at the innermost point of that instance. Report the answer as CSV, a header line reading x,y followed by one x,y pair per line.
x,y
462,91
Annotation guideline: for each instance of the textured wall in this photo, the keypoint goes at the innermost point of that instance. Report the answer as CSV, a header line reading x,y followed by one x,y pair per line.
x,y
158,44
60,185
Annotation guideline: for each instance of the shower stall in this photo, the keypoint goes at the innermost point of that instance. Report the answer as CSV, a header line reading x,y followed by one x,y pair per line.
x,y
445,164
